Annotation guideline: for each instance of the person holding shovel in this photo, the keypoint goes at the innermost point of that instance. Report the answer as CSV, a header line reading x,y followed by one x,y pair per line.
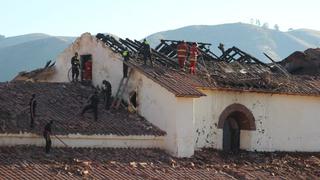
x,y
46,134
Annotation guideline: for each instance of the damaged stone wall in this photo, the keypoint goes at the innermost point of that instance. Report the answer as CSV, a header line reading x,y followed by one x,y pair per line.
x,y
283,122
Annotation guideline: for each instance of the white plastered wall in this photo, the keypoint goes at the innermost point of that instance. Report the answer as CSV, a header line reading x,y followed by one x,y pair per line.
x,y
171,114
158,105
283,122
105,64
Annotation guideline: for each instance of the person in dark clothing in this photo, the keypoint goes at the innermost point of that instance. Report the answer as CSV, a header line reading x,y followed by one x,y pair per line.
x,y
146,51
126,57
46,135
221,47
93,102
107,92
75,67
32,106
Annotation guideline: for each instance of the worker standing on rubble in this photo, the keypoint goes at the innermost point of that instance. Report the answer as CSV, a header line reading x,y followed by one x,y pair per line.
x,y
75,67
93,102
146,51
194,52
221,47
126,57
107,92
182,50
32,107
46,135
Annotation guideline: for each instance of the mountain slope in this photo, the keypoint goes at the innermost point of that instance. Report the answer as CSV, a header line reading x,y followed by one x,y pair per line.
x,y
31,51
11,41
252,39
310,36
29,55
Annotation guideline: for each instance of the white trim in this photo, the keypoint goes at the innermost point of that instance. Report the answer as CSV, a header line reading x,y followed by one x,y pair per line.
x,y
78,140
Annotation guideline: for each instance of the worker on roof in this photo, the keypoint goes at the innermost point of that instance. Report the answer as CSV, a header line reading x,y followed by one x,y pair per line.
x,y
75,67
221,47
92,103
146,51
194,53
107,92
46,135
32,107
126,57
182,51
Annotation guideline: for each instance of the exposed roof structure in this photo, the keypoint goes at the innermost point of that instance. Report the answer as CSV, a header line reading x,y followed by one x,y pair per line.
x,y
63,163
62,102
37,75
234,70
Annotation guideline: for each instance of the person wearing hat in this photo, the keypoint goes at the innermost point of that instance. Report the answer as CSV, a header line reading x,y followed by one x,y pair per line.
x,y
146,51
194,52
126,57
75,67
182,51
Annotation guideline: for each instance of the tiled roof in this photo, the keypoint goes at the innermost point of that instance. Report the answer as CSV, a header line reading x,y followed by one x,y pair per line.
x,y
230,76
31,163
174,81
244,73
259,78
62,102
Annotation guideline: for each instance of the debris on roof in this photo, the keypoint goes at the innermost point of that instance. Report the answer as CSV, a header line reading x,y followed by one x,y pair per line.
x,y
62,102
85,163
169,48
38,75
303,63
234,70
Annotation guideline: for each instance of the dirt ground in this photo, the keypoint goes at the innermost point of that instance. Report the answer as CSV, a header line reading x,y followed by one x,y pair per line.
x,y
24,162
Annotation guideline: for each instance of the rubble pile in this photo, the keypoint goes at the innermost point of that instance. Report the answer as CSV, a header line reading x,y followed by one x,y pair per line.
x,y
37,75
85,163
303,63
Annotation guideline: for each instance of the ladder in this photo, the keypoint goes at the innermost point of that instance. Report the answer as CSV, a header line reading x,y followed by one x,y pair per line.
x,y
121,89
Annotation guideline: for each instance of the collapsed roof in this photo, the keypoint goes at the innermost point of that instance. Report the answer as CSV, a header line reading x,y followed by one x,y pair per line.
x,y
37,75
234,70
303,63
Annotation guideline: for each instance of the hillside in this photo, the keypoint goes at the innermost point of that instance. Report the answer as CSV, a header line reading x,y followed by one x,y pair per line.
x,y
11,41
253,39
27,52
31,51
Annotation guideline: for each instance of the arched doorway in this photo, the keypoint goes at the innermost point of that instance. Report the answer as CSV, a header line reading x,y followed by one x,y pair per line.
x,y
231,135
232,120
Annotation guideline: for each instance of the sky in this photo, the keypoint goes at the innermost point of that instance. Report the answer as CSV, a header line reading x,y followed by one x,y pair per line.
x,y
139,18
